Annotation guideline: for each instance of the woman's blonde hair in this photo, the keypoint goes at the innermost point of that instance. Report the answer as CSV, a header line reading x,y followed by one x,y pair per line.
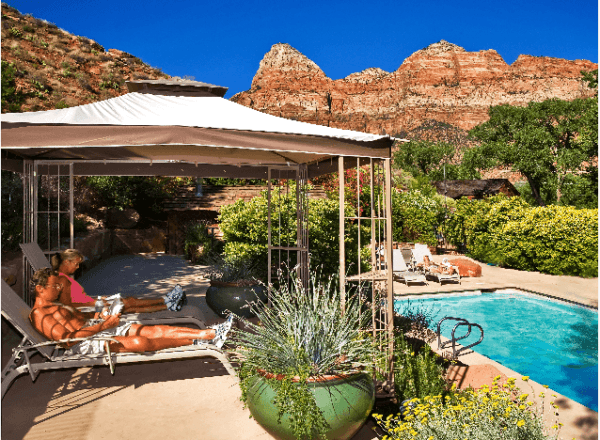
x,y
66,255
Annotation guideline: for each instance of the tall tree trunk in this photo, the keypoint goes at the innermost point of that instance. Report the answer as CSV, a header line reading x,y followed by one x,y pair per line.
x,y
559,188
535,189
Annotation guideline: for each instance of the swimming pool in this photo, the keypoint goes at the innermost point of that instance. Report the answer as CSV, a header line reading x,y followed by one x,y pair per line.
x,y
553,342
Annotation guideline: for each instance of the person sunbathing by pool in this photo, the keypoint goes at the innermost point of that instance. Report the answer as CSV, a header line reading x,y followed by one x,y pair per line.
x,y
57,322
72,293
446,268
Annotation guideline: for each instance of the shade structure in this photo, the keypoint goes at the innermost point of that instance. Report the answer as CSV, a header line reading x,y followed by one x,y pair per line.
x,y
146,133
190,130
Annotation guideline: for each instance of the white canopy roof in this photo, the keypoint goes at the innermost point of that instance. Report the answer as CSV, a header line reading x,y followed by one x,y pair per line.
x,y
186,135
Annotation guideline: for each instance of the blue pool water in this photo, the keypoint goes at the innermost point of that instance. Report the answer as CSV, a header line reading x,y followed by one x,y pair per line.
x,y
553,342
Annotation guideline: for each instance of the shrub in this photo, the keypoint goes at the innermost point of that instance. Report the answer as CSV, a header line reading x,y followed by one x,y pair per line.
x,y
559,240
416,217
417,374
110,82
415,319
16,32
199,246
144,194
244,227
85,84
501,412
97,47
12,98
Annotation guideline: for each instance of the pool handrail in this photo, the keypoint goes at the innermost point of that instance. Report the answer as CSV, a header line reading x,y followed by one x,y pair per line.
x,y
462,321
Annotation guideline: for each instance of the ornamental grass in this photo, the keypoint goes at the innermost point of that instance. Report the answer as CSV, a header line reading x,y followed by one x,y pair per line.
x,y
500,412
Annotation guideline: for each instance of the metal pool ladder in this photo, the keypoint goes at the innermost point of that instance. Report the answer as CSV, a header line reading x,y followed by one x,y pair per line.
x,y
453,339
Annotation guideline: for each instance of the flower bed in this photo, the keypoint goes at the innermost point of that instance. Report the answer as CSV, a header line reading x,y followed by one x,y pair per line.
x,y
499,412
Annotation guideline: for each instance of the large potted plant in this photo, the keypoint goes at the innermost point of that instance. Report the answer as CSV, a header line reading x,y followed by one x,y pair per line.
x,y
233,288
306,367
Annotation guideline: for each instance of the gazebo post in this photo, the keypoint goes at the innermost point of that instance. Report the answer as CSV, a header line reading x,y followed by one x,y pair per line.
x,y
342,232
390,262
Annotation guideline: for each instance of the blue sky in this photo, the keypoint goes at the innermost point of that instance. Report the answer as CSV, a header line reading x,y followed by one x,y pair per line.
x,y
222,42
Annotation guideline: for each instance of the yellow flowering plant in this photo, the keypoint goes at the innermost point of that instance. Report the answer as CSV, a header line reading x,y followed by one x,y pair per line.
x,y
499,412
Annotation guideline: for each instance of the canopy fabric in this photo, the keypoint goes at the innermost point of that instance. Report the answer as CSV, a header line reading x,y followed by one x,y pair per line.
x,y
151,128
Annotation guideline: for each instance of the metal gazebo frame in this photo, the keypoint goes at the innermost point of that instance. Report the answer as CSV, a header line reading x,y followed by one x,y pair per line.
x,y
170,128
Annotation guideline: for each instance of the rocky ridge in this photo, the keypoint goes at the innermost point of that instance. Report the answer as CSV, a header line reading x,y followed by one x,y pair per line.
x,y
53,68
442,82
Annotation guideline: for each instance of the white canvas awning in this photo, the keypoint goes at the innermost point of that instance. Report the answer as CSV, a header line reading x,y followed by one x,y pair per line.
x,y
157,133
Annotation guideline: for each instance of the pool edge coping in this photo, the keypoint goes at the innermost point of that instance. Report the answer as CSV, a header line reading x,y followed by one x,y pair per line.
x,y
493,289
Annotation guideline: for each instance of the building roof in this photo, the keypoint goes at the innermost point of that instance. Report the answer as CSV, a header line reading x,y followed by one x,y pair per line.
x,y
178,87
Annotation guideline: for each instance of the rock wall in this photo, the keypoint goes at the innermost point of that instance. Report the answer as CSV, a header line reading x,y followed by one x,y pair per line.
x,y
441,82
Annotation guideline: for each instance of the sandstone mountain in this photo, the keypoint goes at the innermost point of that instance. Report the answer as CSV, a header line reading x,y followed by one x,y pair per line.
x,y
52,68
442,82
439,88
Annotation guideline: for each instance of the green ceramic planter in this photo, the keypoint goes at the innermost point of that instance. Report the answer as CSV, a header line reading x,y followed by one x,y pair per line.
x,y
230,297
346,402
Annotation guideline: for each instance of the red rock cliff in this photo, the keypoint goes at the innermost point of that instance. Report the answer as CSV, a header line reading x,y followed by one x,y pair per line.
x,y
442,82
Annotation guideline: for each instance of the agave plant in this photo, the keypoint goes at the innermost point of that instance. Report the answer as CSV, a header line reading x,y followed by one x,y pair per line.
x,y
304,334
306,331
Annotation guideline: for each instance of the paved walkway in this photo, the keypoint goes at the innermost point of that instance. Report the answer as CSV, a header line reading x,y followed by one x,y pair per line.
x,y
197,398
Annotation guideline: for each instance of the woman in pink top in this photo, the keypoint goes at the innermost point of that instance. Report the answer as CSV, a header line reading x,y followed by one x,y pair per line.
x,y
68,261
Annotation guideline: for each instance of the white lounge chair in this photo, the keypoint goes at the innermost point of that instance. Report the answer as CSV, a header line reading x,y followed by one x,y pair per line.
x,y
17,313
401,272
419,253
407,256
187,315
446,277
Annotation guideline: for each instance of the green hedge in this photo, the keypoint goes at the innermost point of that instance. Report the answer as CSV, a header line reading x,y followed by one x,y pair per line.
x,y
559,240
244,227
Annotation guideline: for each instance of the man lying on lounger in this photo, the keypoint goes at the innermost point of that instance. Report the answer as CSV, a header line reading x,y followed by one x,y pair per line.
x,y
72,293
57,321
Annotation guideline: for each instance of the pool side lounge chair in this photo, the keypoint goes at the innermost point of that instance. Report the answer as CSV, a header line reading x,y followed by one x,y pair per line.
x,y
401,272
446,277
419,253
187,315
407,256
17,312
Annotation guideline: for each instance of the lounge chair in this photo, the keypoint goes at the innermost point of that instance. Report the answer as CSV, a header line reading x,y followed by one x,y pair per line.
x,y
17,313
407,256
187,315
446,277
401,272
419,253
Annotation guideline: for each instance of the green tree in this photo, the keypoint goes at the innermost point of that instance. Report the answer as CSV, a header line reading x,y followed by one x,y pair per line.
x,y
591,78
545,141
433,159
144,194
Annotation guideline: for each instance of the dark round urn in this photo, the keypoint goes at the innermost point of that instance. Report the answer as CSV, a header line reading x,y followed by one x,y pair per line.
x,y
223,298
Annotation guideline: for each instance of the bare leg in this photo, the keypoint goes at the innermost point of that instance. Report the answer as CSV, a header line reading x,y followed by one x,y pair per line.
x,y
136,302
170,332
144,309
139,344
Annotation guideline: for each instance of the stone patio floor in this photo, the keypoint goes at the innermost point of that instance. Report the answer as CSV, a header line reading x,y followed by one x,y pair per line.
x,y
197,399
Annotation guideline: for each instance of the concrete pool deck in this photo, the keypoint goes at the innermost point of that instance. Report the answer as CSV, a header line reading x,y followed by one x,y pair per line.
x,y
197,398
580,290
